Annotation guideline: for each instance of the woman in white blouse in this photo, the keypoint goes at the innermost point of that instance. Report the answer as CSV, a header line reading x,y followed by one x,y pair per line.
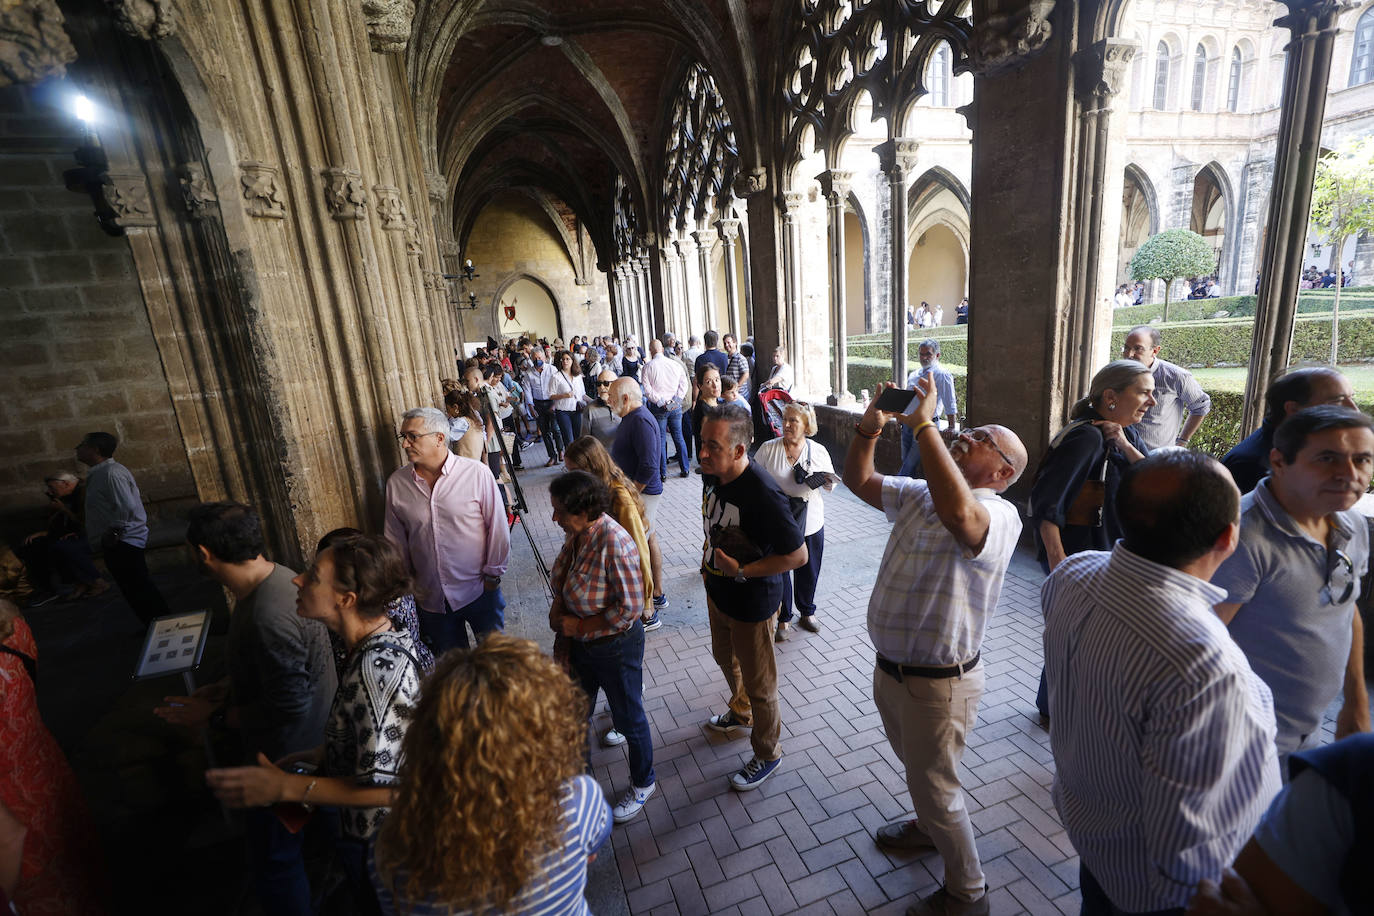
x,y
801,468
567,393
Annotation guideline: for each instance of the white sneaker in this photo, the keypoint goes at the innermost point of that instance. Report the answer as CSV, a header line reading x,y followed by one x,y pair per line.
x,y
612,738
632,802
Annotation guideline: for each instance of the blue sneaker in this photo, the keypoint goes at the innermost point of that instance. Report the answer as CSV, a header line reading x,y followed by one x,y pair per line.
x,y
754,773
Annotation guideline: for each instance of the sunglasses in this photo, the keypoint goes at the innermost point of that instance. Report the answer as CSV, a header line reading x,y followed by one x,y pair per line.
x,y
1340,578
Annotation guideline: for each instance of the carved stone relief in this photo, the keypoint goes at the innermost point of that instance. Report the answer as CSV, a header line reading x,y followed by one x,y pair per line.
x,y
196,190
388,24
33,44
750,183
390,208
344,194
146,19
1004,40
127,195
1102,67
436,185
261,191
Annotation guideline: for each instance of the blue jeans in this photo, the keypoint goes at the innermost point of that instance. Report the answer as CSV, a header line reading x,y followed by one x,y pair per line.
x,y
616,665
911,454
567,425
688,435
802,580
670,424
276,857
445,631
1097,903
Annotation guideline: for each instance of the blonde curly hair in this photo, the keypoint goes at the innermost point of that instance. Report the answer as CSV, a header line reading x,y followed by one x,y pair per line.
x,y
498,731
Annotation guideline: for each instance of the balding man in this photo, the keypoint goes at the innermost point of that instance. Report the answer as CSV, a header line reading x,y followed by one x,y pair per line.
x,y
602,420
1163,735
665,387
952,539
638,453
1248,462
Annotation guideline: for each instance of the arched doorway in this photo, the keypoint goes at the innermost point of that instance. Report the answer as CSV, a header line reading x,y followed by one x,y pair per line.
x,y
534,310
937,270
1139,219
855,275
1208,214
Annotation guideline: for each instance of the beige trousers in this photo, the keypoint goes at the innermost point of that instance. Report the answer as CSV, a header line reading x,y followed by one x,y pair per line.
x,y
744,652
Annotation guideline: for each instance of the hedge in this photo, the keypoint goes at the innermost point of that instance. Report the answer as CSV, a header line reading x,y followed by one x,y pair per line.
x,y
1309,302
1224,342
952,350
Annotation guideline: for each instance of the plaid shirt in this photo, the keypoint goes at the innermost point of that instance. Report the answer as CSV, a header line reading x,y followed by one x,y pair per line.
x,y
597,572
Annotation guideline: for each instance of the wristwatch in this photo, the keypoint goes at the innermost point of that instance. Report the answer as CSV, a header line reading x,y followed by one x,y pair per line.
x,y
740,576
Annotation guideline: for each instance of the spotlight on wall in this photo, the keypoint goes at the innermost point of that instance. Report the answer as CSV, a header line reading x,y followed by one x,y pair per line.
x,y
83,109
91,177
551,41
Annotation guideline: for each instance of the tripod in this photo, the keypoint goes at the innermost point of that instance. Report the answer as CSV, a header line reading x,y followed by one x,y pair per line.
x,y
518,505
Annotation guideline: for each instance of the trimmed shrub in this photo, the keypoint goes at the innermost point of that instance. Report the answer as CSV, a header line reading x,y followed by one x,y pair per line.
x,y
1224,342
1310,301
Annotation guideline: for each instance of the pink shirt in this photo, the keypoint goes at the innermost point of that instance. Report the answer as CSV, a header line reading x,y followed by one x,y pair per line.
x,y
450,536
664,379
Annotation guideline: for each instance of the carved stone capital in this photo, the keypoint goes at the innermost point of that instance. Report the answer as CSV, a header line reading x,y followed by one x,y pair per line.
x,y
33,44
897,157
344,194
835,184
196,190
436,186
747,184
1002,40
388,24
261,190
127,195
792,203
1102,68
391,209
413,246
729,230
705,238
146,19
448,248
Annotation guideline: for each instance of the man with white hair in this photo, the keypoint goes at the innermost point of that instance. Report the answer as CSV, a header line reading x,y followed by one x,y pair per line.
x,y
637,452
61,547
444,513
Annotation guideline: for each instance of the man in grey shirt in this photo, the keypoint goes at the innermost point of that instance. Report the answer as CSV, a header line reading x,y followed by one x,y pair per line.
x,y
1293,582
117,524
1177,393
280,686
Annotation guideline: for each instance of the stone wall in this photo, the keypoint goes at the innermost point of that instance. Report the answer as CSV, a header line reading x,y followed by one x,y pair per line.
x,y
75,341
511,239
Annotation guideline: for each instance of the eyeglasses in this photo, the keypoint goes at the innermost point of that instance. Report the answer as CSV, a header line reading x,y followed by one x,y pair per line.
x,y
1340,578
412,438
982,435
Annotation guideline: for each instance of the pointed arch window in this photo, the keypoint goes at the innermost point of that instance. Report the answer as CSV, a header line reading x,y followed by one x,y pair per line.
x,y
1362,58
1199,77
1161,76
938,78
1233,81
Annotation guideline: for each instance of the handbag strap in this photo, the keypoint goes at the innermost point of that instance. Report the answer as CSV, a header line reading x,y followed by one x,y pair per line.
x,y
30,663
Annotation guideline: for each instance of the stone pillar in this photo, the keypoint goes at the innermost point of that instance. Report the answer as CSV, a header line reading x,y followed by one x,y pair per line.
x,y
649,315
897,157
729,233
705,238
835,184
792,270
621,312
1313,26
1101,70
635,273
765,279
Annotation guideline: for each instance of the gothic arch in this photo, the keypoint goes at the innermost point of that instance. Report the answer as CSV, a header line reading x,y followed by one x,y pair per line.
x,y
931,182
1212,213
509,281
1136,174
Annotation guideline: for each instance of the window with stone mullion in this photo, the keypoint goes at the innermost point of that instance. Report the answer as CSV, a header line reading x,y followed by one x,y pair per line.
x,y
1233,83
1362,57
1161,99
1199,77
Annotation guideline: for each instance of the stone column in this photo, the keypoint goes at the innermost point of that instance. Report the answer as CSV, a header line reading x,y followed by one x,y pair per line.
x,y
765,279
1101,70
649,313
729,233
634,276
835,184
791,269
897,157
705,238
670,304
1313,26
621,313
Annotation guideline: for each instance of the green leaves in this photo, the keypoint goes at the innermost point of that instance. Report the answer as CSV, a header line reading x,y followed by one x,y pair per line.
x,y
1171,254
1343,192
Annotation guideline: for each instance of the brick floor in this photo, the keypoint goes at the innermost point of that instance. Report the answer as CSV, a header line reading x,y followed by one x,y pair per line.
x,y
802,843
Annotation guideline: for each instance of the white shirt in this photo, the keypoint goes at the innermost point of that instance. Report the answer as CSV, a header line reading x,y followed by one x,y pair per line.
x,y
1163,736
559,383
664,379
1177,395
772,457
537,381
933,597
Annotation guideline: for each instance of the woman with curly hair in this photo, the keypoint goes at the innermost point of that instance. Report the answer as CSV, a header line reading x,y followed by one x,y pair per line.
x,y
494,813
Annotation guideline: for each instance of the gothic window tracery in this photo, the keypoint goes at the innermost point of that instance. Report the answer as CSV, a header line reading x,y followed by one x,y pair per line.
x,y
702,156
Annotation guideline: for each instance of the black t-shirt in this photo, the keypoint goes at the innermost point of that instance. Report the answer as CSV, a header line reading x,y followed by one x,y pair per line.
x,y
751,502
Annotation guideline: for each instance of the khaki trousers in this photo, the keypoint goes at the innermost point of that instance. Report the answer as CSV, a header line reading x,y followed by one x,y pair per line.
x,y
927,722
744,652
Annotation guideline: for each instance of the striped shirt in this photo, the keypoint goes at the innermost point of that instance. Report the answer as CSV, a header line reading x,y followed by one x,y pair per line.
x,y
1163,737
558,887
933,597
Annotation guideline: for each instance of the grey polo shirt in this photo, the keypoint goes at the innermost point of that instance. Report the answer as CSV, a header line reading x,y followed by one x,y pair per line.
x,y
1177,395
1293,626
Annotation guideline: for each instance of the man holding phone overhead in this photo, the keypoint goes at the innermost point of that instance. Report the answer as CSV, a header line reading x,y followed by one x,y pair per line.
x,y
952,539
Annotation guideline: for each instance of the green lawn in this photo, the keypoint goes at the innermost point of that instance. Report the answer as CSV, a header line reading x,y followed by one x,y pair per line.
x,y
1361,378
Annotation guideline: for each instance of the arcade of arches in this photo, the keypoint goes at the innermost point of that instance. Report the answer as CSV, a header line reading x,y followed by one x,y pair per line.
x,y
281,214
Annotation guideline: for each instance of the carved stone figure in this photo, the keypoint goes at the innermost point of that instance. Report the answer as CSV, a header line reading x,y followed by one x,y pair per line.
x,y
388,24
391,208
33,44
127,195
196,190
146,19
1004,40
750,183
344,194
261,191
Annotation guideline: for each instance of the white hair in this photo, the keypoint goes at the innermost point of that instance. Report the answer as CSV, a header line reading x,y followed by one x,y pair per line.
x,y
64,476
435,421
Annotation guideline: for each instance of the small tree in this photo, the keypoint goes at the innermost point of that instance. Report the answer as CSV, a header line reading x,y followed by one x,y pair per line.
x,y
1342,206
1171,254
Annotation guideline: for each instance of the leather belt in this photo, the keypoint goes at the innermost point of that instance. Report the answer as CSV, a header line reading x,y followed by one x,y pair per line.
x,y
899,671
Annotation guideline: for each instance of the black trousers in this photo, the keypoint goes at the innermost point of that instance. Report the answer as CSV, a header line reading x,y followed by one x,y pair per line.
x,y
129,570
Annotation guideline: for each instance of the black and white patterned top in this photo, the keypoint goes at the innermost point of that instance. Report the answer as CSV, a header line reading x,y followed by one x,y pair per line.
x,y
372,710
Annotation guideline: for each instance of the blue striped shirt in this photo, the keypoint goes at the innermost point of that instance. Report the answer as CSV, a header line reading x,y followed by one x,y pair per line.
x,y
1163,736
558,887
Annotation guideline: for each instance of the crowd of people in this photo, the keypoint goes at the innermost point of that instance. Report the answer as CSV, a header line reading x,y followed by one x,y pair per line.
x,y
1199,618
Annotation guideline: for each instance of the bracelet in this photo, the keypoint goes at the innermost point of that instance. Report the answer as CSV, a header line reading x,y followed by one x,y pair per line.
x,y
859,428
921,426
306,794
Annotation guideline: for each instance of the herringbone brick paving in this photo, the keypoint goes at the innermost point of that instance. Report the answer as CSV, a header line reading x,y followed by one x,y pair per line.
x,y
802,842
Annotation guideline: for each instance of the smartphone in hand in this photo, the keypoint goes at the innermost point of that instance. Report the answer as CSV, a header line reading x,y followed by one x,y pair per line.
x,y
895,400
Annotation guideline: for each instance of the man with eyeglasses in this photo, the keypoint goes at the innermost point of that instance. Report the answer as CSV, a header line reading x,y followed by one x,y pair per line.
x,y
1177,394
1292,584
952,539
1295,389
444,512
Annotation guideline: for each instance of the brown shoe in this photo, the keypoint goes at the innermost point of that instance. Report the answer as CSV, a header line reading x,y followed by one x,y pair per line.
x,y
782,632
808,623
943,903
903,835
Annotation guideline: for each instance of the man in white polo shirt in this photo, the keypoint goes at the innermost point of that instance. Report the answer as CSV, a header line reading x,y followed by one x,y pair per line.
x,y
952,539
